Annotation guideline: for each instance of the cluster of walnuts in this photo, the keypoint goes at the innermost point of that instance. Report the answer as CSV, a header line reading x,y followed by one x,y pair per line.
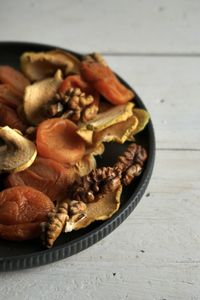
x,y
74,105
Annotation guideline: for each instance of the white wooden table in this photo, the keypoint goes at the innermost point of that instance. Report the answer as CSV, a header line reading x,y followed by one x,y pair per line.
x,y
155,46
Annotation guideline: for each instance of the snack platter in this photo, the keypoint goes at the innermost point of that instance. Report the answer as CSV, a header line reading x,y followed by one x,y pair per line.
x,y
107,172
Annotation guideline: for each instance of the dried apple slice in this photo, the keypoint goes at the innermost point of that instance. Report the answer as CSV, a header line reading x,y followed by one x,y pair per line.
x,y
101,210
105,119
39,94
73,215
37,66
119,132
95,149
85,165
143,118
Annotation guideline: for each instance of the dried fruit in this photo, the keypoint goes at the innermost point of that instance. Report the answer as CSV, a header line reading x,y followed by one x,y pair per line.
x,y
9,117
9,96
14,78
143,118
47,176
118,132
105,119
105,82
97,211
40,65
57,139
39,94
22,209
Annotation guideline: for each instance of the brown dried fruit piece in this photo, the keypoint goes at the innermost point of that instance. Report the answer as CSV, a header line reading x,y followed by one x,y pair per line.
x,y
51,177
9,96
9,117
45,175
22,209
14,78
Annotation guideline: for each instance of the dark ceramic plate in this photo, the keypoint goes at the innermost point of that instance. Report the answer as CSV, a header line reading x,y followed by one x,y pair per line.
x,y
20,255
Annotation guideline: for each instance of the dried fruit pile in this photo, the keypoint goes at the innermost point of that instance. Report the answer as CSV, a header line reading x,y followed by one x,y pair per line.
x,y
55,117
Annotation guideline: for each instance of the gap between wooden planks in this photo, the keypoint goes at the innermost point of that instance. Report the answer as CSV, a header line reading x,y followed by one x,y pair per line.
x,y
170,89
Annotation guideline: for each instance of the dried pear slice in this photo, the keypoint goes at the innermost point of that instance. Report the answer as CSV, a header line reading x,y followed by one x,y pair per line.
x,y
95,149
17,153
85,165
119,132
143,118
105,119
101,210
39,94
37,66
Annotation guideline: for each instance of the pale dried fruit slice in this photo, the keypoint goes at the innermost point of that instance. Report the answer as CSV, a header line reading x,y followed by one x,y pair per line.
x,y
95,149
101,210
38,95
119,132
37,66
16,153
105,119
85,165
143,118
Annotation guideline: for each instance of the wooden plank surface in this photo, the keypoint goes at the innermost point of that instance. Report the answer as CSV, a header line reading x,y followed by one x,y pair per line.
x,y
170,88
133,26
155,46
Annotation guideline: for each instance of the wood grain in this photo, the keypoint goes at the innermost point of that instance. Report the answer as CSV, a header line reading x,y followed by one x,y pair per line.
x,y
155,46
170,89
133,26
152,255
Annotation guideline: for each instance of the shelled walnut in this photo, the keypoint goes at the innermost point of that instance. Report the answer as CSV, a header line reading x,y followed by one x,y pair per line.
x,y
95,196
54,226
99,181
94,185
74,105
130,164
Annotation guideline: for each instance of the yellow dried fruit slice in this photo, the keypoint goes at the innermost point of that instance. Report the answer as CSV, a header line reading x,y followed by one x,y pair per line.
x,y
105,119
95,149
119,132
143,118
40,65
96,211
85,165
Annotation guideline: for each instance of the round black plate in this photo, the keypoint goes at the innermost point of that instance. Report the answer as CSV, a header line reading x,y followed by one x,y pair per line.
x,y
20,255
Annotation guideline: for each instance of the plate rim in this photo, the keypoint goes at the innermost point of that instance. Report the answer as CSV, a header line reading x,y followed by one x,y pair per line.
x,y
46,256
